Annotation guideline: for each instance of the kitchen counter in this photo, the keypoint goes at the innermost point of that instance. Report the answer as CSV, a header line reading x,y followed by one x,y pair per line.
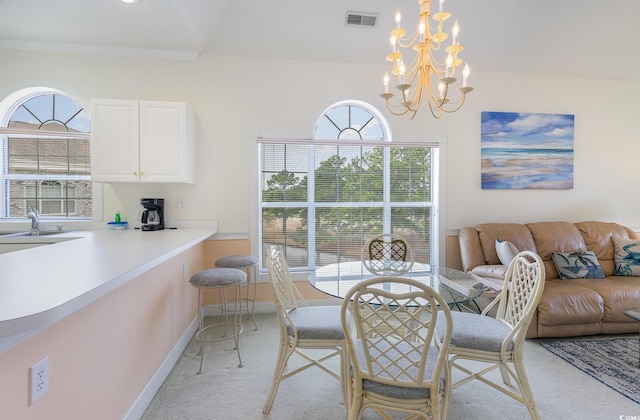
x,y
42,285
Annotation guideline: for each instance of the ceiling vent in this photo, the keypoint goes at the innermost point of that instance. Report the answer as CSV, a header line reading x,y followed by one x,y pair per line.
x,y
369,20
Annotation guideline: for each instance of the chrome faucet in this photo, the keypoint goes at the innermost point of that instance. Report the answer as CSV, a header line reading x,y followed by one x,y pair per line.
x,y
35,220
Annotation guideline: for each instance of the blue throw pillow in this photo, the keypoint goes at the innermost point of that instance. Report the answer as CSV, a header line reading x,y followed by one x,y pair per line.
x,y
577,265
627,256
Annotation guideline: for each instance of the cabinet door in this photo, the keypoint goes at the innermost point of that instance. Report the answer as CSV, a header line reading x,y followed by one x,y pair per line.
x,y
115,155
165,142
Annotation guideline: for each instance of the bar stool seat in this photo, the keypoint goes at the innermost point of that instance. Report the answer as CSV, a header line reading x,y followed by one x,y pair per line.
x,y
221,279
249,264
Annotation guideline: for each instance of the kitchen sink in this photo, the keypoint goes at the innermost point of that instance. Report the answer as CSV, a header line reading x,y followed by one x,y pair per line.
x,y
14,233
17,240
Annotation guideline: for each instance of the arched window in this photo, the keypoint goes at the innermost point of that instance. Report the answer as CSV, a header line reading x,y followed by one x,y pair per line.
x,y
351,120
322,198
45,155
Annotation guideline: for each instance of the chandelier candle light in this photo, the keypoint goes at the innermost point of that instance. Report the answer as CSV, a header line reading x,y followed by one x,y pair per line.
x,y
430,77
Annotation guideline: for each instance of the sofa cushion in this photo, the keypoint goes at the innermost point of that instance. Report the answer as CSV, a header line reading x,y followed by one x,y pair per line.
x,y
577,265
617,294
567,303
506,251
555,237
627,256
597,237
515,233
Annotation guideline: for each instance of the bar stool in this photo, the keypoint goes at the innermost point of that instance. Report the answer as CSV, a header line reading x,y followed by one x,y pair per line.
x,y
221,279
249,264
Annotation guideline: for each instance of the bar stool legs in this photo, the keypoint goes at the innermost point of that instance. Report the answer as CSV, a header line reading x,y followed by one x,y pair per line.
x,y
221,279
249,264
251,301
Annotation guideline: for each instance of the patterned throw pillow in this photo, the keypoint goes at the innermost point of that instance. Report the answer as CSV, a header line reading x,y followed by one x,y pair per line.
x,y
577,265
506,251
627,256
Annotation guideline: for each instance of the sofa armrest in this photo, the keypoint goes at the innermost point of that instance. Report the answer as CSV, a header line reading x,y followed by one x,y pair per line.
x,y
471,252
495,272
491,275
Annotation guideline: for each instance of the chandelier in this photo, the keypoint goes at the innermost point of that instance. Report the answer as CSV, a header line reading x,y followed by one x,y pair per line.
x,y
427,77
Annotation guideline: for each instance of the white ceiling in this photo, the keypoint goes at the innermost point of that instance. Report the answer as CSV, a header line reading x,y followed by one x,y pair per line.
x,y
580,38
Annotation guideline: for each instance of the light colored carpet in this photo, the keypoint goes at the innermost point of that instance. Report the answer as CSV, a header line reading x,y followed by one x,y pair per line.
x,y
225,391
614,362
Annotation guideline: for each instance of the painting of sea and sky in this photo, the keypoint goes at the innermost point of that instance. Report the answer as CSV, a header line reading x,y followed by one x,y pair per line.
x,y
527,151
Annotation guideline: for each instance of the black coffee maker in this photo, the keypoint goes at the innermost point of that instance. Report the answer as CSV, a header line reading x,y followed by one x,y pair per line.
x,y
152,215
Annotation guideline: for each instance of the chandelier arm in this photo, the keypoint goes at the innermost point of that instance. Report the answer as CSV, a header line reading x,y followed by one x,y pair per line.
x,y
404,111
435,47
418,102
422,87
432,106
438,67
412,69
436,42
408,41
412,104
417,81
437,101
413,74
460,102
436,115
435,107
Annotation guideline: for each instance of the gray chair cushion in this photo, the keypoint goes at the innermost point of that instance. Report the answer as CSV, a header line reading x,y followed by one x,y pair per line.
x,y
317,322
397,391
474,331
237,261
218,277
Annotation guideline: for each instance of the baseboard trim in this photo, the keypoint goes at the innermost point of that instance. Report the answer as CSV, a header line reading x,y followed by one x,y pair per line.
x,y
151,389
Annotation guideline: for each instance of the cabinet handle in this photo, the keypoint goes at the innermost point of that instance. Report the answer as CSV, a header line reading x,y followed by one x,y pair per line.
x,y
141,173
135,173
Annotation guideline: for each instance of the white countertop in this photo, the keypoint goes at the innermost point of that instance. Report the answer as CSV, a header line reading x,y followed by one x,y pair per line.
x,y
39,286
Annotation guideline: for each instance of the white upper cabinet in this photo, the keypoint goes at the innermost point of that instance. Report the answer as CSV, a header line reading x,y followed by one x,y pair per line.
x,y
142,141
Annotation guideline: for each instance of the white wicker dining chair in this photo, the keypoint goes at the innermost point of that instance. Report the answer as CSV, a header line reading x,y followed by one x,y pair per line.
x,y
302,327
396,368
387,254
499,341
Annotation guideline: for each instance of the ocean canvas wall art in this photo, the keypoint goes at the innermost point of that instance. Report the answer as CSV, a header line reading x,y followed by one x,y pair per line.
x,y
527,151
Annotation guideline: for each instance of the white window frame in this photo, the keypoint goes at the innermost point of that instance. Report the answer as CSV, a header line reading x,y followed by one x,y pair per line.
x,y
7,106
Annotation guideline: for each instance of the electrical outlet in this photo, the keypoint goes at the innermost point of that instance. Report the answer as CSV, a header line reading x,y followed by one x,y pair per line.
x,y
185,270
180,202
38,380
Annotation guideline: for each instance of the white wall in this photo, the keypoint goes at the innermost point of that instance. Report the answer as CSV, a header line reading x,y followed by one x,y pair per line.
x,y
234,96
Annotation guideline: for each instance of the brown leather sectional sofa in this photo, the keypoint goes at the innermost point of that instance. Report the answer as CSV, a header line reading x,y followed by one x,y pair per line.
x,y
571,307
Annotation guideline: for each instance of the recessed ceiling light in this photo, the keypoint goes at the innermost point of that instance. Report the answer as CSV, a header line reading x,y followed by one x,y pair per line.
x,y
132,1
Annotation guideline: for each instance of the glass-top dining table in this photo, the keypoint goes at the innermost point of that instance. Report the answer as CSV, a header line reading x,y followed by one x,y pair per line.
x,y
458,288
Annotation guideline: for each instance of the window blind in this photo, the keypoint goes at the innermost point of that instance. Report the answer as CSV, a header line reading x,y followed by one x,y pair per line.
x,y
322,199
